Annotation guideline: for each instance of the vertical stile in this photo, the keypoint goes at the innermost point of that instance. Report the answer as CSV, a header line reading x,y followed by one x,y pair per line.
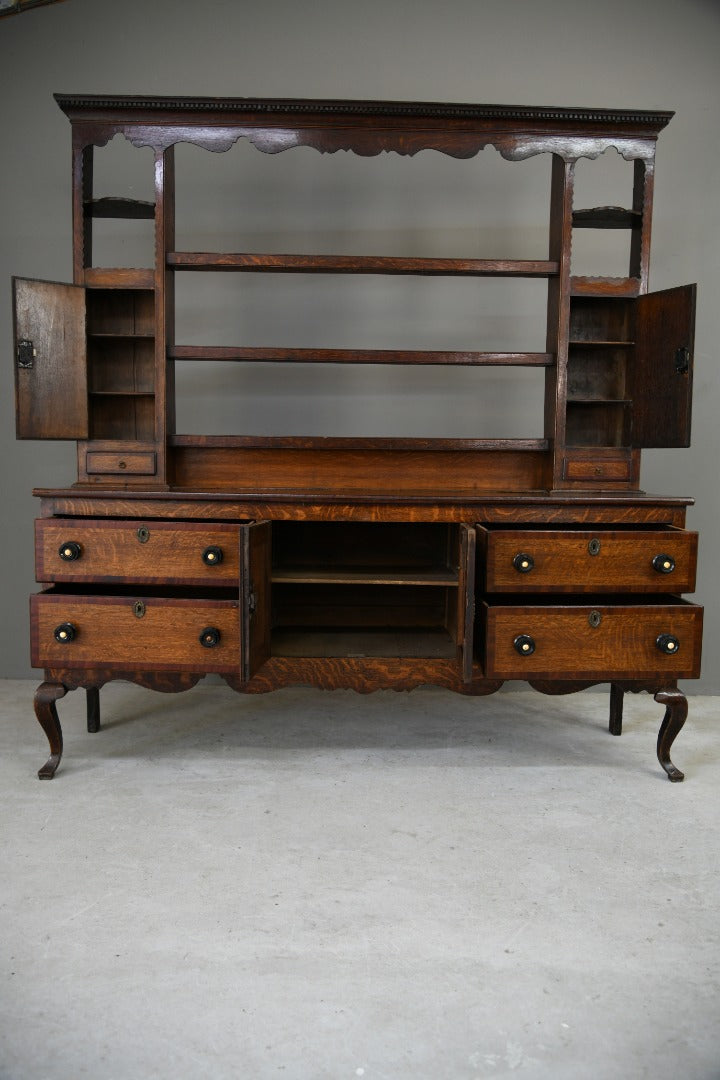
x,y
642,204
164,305
561,199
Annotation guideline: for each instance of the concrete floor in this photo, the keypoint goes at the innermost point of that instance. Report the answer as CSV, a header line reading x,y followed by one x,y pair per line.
x,y
310,885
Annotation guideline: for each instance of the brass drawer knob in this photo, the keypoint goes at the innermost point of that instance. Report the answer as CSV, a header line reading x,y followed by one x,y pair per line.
x,y
65,633
210,637
667,644
212,556
524,645
523,563
664,564
70,552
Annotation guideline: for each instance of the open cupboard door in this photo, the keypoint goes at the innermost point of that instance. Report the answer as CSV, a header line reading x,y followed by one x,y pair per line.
x,y
255,563
466,600
662,373
50,360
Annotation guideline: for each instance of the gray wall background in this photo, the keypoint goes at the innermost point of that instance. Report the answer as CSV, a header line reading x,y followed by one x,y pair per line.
x,y
622,54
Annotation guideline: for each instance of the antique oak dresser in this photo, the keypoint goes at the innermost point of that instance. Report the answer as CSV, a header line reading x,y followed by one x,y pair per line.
x,y
360,561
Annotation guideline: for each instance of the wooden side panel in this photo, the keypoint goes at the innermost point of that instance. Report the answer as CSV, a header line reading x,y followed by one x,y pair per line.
x,y
662,372
255,596
51,369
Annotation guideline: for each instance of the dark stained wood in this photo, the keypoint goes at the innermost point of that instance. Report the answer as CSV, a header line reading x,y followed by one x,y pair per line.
x,y
466,600
606,217
51,392
360,562
359,356
122,208
676,709
46,712
359,264
255,597
118,277
660,380
604,286
617,695
93,709
373,472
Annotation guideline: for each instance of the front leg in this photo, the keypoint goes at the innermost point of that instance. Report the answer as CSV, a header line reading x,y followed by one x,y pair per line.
x,y
45,697
676,708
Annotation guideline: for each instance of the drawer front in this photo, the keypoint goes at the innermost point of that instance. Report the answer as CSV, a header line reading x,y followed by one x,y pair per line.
x,y
111,631
127,463
190,553
593,642
600,560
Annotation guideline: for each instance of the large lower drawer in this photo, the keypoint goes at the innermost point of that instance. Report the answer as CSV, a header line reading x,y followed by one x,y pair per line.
x,y
187,553
588,560
583,641
135,633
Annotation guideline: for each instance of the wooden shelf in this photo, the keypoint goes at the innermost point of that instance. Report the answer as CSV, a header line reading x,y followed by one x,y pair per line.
x,y
315,576
119,208
334,443
119,277
600,344
119,336
606,217
359,264
122,393
598,401
360,356
604,286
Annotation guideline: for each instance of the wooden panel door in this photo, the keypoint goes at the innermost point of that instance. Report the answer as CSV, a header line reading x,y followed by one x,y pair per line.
x,y
50,360
466,599
660,380
255,597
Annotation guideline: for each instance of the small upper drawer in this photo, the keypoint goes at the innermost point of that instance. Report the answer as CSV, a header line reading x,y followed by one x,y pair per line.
x,y
587,560
187,553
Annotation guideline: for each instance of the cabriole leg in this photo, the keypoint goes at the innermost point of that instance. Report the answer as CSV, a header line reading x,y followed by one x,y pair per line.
x,y
676,708
93,708
45,697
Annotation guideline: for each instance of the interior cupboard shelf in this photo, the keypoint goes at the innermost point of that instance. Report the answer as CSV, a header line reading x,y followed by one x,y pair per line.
x,y
600,344
359,264
122,393
606,217
120,208
119,335
360,356
598,401
315,576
